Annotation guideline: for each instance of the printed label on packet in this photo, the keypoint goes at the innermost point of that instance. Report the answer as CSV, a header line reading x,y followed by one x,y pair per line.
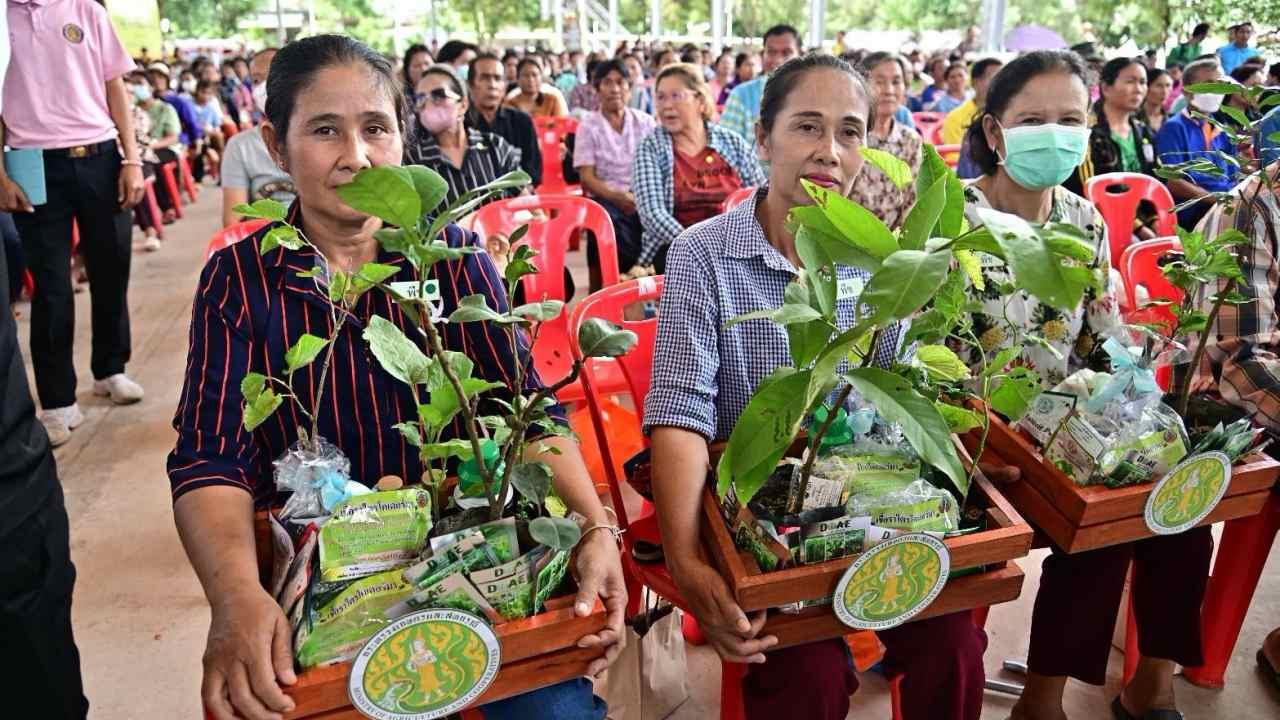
x,y
410,290
1046,413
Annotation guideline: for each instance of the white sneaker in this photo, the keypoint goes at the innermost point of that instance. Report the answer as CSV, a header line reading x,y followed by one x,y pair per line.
x,y
151,244
59,422
119,388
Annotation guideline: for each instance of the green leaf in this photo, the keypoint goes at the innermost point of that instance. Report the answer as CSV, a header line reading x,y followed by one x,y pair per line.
x,y
396,353
786,315
972,267
304,350
907,280
600,338
763,432
951,224
410,432
932,168
1014,394
898,172
384,191
959,420
997,364
924,215
1035,267
285,235
370,274
339,285
1214,88
806,340
257,412
251,386
854,224
924,427
474,308
1236,114
817,273
430,185
941,362
539,311
521,261
266,208
554,532
443,450
532,480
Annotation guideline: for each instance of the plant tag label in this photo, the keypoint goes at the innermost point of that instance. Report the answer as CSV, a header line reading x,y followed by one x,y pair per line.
x,y
430,294
426,665
1188,493
892,582
849,288
1048,411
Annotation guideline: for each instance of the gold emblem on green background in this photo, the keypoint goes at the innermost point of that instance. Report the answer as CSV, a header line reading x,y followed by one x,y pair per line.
x,y
424,666
1188,493
892,582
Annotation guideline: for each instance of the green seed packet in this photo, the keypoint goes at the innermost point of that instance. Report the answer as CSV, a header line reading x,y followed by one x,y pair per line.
x,y
509,587
500,534
868,472
549,571
830,540
373,533
455,592
919,506
469,554
336,631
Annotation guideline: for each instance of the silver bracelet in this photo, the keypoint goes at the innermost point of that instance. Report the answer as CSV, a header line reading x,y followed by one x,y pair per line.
x,y
135,163
614,530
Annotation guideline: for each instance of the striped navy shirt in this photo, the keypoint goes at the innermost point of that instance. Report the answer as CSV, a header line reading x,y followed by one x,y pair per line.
x,y
487,158
250,308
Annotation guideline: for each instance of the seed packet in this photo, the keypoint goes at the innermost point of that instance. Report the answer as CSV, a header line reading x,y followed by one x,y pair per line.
x,y
373,533
338,629
454,591
300,571
510,587
471,549
830,540
869,468
919,506
500,534
750,536
282,554
549,572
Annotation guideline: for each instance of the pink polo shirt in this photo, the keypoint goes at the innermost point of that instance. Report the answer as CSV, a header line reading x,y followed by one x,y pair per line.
x,y
63,54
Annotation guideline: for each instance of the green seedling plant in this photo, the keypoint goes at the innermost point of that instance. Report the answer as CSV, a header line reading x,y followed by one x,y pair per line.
x,y
923,272
490,452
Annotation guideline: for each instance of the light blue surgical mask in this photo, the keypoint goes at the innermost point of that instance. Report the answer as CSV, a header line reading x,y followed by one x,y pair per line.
x,y
463,72
1041,156
142,92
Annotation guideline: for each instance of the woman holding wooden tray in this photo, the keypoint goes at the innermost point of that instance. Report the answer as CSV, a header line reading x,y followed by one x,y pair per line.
x,y
1033,134
813,122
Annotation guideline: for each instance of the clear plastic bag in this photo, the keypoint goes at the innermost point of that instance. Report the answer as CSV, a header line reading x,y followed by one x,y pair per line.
x,y
918,506
319,478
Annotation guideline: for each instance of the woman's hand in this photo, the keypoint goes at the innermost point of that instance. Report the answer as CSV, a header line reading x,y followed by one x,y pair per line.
x,y
599,572
248,656
730,631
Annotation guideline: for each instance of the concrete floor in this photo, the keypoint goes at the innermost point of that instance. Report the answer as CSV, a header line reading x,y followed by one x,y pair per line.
x,y
141,617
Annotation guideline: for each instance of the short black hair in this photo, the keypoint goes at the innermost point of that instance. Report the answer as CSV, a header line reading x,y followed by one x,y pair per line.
x,y
777,30
980,68
530,60
295,66
210,85
1172,65
1111,71
1154,74
876,59
471,66
414,49
1201,29
1006,85
742,59
1243,72
955,66
453,50
604,67
788,75
1274,70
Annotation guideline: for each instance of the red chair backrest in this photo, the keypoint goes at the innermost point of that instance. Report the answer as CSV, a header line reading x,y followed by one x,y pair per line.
x,y
926,121
232,234
1139,266
228,129
637,365
551,135
563,215
950,154
1117,195
736,198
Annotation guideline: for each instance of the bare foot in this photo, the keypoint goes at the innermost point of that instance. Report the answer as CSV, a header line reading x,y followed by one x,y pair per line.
x,y
1151,688
1271,648
1022,712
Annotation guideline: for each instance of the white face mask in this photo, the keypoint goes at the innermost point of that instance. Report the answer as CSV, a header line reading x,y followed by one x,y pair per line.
x,y
260,97
1207,104
189,87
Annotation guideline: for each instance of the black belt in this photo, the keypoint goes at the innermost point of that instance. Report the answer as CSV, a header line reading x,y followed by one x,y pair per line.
x,y
83,151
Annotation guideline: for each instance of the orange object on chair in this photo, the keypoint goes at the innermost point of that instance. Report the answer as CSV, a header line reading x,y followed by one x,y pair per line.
x,y
562,217
551,135
736,198
232,234
1117,196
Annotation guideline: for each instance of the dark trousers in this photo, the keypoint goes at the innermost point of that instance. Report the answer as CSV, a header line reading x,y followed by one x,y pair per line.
x,y
163,197
39,662
626,231
941,659
84,190
13,252
1079,597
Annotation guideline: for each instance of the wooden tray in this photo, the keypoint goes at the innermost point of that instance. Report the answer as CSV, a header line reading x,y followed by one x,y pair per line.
x,y
537,651
1000,580
1079,518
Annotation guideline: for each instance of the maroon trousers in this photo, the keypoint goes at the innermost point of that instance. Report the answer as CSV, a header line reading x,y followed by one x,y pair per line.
x,y
1079,597
941,658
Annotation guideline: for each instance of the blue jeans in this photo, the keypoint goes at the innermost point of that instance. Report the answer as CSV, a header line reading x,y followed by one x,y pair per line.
x,y
569,700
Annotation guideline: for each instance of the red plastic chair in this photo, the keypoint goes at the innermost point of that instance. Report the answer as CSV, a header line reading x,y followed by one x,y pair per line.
x,y
229,129
736,198
1117,195
564,215
153,207
232,234
925,122
1140,267
189,184
551,135
170,178
950,154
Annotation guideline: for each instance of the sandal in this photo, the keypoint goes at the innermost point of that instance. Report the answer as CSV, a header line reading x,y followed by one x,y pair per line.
x,y
1268,669
1117,710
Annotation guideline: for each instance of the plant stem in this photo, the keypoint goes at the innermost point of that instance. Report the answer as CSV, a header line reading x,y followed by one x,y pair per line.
x,y
464,407
1184,391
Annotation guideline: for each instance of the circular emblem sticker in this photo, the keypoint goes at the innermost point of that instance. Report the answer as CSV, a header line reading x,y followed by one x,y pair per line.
x,y
892,582
1188,493
425,665
73,33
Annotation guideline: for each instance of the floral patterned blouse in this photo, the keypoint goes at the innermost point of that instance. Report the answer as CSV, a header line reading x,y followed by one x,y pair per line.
x,y
874,191
1078,335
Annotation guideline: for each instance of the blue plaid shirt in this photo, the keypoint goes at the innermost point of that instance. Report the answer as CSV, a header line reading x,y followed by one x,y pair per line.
x,y
743,108
653,182
703,373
